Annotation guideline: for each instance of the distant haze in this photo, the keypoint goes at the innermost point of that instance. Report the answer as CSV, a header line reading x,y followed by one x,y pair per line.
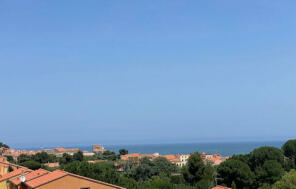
x,y
146,72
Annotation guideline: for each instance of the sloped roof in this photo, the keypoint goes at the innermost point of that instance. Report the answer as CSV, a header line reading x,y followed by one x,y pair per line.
x,y
14,173
50,177
30,176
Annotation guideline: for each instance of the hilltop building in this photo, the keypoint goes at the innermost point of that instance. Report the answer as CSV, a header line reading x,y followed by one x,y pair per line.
x,y
60,151
98,149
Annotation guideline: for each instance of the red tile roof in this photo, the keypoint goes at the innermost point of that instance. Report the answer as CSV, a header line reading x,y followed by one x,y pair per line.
x,y
14,173
30,176
45,178
67,150
220,187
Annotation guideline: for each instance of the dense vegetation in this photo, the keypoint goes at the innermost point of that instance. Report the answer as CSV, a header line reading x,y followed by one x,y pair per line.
x,y
264,168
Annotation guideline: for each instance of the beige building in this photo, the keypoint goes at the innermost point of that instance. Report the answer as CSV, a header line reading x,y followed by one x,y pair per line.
x,y
98,148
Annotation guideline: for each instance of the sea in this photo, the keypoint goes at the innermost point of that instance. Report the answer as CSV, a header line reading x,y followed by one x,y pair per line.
x,y
223,148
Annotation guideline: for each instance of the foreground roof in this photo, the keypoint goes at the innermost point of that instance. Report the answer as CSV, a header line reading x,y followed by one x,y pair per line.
x,y
57,174
14,173
30,176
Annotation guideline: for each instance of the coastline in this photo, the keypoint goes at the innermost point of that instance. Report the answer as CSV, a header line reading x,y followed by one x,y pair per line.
x,y
223,148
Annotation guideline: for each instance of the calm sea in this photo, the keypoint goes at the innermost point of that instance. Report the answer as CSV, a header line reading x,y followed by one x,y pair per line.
x,y
226,148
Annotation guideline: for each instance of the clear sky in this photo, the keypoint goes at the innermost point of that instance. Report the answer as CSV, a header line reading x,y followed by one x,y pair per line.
x,y
155,71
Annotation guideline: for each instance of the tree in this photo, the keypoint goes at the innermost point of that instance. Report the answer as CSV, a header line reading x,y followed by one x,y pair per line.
x,y
31,164
65,159
269,173
141,172
236,171
78,156
2,145
10,169
233,185
288,181
123,152
10,159
108,155
162,166
196,171
289,148
43,157
260,155
23,158
158,183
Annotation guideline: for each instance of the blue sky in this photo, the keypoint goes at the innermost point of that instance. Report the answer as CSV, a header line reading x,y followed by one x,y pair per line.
x,y
157,71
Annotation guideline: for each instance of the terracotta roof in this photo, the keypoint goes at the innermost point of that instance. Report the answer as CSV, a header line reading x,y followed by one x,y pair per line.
x,y
127,156
52,165
14,173
220,187
30,176
47,178
66,150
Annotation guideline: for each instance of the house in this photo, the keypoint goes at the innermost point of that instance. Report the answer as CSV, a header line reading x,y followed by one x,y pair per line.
x,y
87,153
52,165
133,156
179,160
60,151
16,182
11,175
98,148
58,179
4,166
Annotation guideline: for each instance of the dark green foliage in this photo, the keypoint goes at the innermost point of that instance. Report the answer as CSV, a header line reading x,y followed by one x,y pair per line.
x,y
10,159
10,169
23,158
44,157
288,181
242,157
289,148
163,167
65,159
123,152
107,155
78,156
31,164
158,183
177,179
197,173
100,171
260,155
289,164
3,145
269,173
233,170
233,185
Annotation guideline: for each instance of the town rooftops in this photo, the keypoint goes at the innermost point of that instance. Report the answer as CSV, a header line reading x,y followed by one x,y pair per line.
x,y
14,173
30,176
67,150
